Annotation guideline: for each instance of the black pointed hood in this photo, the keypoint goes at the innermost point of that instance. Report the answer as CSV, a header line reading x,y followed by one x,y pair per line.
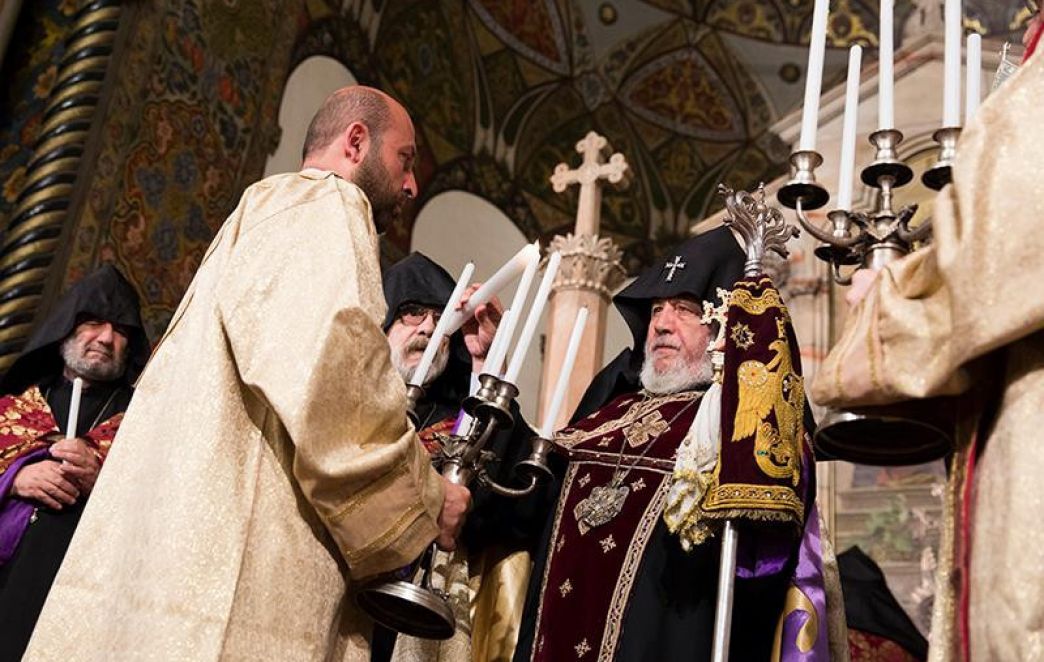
x,y
420,280
702,264
697,268
104,294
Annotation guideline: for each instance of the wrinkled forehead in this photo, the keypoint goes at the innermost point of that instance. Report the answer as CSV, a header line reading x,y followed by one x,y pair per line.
x,y
683,300
88,321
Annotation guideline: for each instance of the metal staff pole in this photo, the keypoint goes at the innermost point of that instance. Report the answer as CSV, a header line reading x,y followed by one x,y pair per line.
x,y
763,229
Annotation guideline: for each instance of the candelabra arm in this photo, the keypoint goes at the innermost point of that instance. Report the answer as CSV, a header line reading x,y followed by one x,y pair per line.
x,y
911,236
821,234
503,490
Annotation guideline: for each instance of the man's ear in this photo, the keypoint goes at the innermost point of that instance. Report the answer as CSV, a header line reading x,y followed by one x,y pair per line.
x,y
356,142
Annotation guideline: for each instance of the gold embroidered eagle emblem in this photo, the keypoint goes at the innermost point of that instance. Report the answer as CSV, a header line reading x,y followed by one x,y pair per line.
x,y
772,388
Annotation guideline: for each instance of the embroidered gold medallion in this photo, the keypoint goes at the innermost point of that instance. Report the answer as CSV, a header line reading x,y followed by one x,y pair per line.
x,y
604,503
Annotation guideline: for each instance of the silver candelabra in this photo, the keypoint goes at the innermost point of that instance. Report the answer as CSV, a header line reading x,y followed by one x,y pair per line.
x,y
407,602
917,431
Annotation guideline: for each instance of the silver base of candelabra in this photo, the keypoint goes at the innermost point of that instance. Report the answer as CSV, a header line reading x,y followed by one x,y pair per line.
x,y
908,433
405,607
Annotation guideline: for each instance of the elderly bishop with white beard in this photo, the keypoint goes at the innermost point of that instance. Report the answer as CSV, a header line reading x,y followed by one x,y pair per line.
x,y
611,582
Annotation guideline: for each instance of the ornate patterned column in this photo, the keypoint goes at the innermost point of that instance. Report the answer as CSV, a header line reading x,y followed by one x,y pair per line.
x,y
591,270
34,231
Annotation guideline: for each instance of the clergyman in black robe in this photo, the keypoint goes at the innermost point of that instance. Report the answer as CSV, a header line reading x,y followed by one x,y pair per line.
x,y
95,332
416,290
612,583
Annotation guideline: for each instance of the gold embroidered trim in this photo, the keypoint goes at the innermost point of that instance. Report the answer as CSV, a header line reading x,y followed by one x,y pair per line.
x,y
635,412
377,486
567,485
778,503
758,305
629,571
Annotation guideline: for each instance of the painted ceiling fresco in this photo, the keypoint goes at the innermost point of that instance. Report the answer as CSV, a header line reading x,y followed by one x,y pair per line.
x,y
686,89
500,91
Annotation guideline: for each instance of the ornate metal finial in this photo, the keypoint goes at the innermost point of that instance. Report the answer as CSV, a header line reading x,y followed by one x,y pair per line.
x,y
717,314
762,226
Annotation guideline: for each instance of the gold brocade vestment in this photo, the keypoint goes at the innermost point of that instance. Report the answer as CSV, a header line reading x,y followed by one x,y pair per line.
x,y
265,460
937,322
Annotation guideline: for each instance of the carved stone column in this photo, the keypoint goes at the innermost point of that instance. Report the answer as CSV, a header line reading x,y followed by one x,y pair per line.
x,y
591,269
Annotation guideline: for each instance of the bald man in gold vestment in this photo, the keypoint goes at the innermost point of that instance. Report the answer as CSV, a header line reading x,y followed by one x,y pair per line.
x,y
965,317
266,462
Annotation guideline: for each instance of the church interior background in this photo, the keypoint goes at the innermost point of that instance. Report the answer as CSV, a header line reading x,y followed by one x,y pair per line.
x,y
129,129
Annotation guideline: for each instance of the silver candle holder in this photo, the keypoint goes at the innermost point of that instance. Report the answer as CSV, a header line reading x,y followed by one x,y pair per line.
x,y
915,432
407,602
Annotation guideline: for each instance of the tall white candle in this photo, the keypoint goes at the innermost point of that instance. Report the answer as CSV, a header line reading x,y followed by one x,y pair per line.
x,y
814,76
74,408
886,68
493,366
558,398
848,134
952,65
973,77
496,348
441,328
524,340
507,273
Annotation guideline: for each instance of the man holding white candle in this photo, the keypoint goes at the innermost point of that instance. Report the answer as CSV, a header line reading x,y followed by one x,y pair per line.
x,y
611,581
95,334
417,291
266,464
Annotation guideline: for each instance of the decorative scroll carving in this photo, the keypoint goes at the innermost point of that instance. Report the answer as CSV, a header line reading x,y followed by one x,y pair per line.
x,y
33,233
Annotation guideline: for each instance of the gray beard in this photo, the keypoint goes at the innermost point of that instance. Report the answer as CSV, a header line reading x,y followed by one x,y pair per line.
x,y
438,365
76,360
677,377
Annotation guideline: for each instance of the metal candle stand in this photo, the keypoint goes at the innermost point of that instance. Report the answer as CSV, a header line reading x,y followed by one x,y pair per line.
x,y
914,432
415,607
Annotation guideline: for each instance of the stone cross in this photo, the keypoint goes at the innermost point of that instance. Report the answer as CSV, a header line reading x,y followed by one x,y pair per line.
x,y
616,171
591,269
673,266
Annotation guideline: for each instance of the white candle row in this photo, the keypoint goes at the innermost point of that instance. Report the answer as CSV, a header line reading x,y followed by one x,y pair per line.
x,y
886,74
527,261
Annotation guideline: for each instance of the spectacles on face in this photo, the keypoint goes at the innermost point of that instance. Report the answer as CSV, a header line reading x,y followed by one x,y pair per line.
x,y
412,314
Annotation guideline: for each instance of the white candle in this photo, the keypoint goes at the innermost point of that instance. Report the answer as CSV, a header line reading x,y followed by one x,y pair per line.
x,y
497,346
517,304
973,77
848,134
563,375
886,70
441,328
507,273
74,408
814,76
524,340
952,65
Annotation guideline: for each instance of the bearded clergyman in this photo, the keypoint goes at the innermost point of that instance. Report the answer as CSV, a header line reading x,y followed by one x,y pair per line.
x,y
612,582
491,566
47,471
